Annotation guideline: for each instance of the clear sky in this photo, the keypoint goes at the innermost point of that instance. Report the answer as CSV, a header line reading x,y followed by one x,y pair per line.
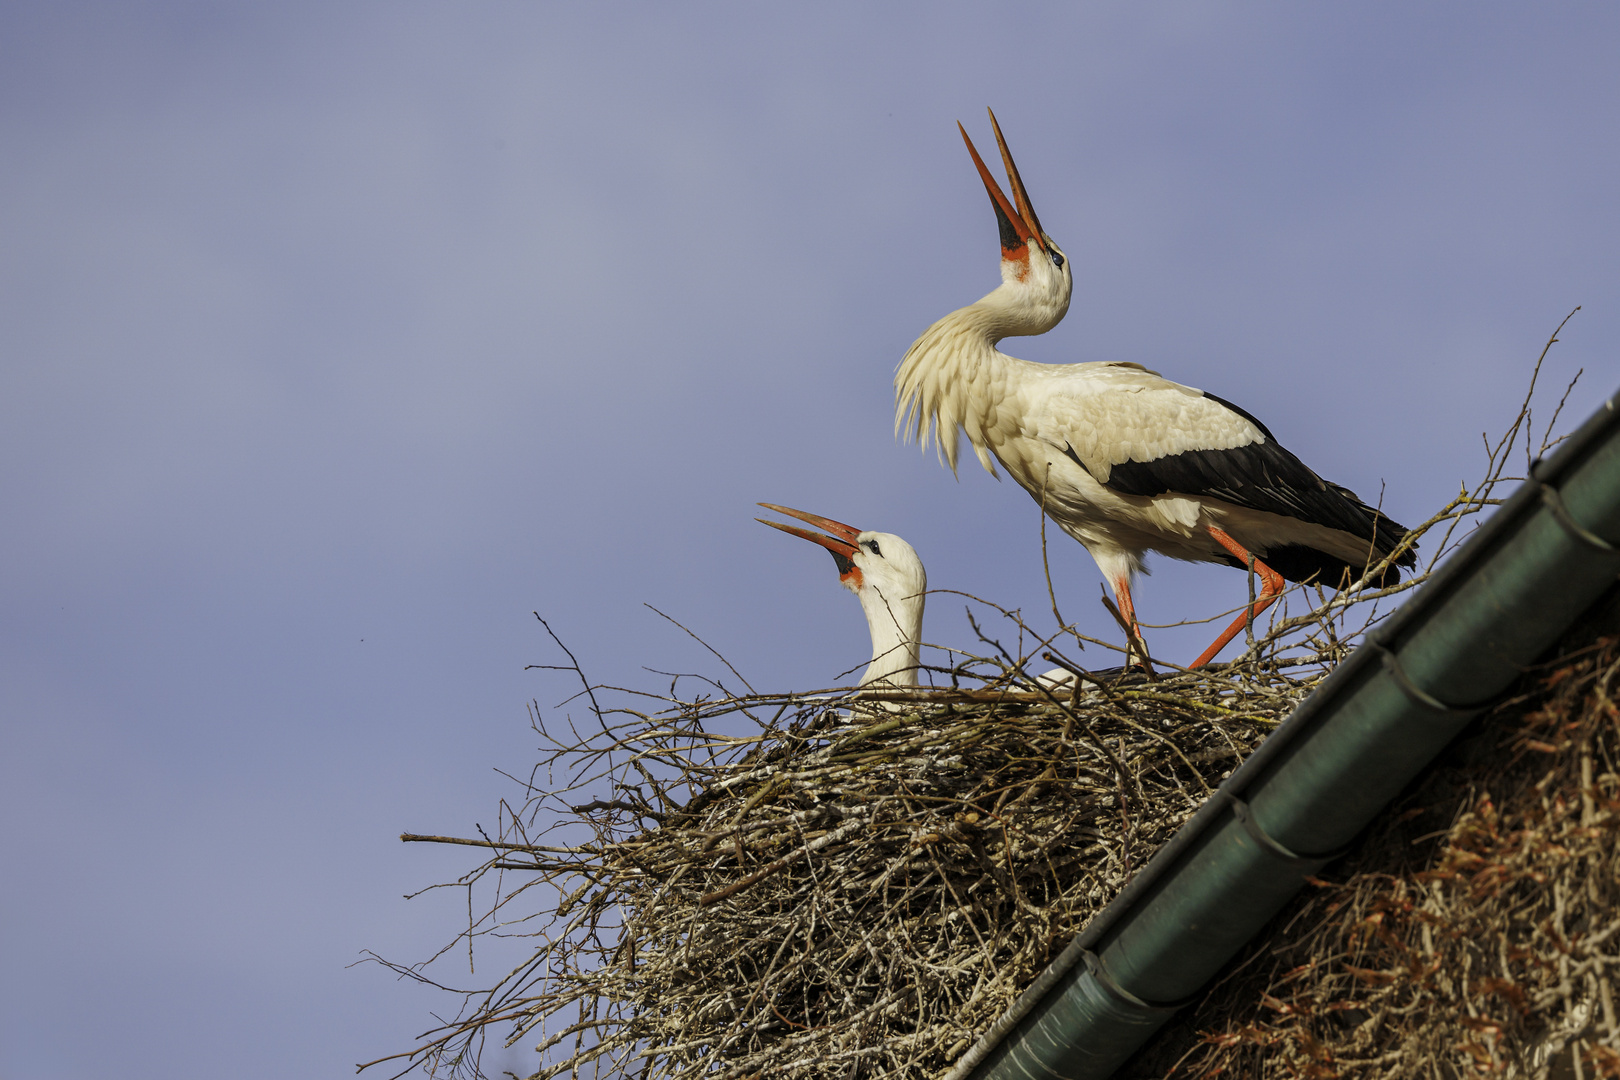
x,y
337,339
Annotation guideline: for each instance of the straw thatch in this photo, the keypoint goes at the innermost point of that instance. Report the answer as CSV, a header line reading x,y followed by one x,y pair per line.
x,y
1474,933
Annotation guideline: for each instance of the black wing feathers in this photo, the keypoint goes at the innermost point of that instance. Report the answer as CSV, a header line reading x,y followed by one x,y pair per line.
x,y
1296,562
1264,476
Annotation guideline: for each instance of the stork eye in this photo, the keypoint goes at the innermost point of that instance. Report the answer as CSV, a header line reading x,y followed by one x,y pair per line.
x,y
872,546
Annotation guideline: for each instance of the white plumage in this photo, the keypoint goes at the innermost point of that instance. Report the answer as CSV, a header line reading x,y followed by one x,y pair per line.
x,y
1122,459
885,574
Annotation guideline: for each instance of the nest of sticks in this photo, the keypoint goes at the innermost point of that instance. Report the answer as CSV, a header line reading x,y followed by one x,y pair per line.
x,y
1474,933
834,885
855,891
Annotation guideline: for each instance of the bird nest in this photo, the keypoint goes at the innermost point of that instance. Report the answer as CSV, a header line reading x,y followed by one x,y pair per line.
x,y
854,890
857,887
844,885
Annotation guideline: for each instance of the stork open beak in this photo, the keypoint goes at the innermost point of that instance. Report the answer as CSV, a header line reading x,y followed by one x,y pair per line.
x,y
1019,225
841,544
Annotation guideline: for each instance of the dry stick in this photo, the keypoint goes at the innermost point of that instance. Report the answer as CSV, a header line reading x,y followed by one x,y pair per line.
x,y
1046,567
1133,639
589,692
1529,416
1547,441
1248,621
1014,616
706,645
1013,669
847,829
498,845
1497,458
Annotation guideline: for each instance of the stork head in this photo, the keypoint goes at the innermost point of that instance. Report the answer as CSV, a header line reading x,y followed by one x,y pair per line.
x,y
884,572
866,561
1035,274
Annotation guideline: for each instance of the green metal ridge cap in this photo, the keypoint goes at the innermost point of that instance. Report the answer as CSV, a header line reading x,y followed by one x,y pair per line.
x,y
1119,1021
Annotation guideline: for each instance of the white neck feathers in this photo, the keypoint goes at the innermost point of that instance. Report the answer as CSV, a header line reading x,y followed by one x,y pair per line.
x,y
951,379
896,626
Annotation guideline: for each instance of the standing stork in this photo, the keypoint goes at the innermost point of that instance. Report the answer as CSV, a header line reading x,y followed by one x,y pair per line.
x,y
1122,459
885,574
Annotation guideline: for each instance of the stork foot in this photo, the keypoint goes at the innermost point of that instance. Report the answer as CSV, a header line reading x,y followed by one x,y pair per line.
x,y
1271,585
1136,653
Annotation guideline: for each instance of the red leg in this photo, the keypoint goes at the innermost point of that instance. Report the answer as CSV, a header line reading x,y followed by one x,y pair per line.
x,y
1122,593
1271,584
1133,632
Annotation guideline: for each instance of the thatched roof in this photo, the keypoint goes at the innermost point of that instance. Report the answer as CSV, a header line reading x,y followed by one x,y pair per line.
x,y
1475,932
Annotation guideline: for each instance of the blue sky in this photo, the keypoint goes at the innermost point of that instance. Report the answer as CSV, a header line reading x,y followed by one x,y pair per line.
x,y
336,340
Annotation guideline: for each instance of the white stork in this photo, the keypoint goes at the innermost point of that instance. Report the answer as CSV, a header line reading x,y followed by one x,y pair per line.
x,y
885,574
1122,459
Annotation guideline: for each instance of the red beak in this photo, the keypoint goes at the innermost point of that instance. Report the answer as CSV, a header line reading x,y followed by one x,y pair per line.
x,y
841,543
1019,225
